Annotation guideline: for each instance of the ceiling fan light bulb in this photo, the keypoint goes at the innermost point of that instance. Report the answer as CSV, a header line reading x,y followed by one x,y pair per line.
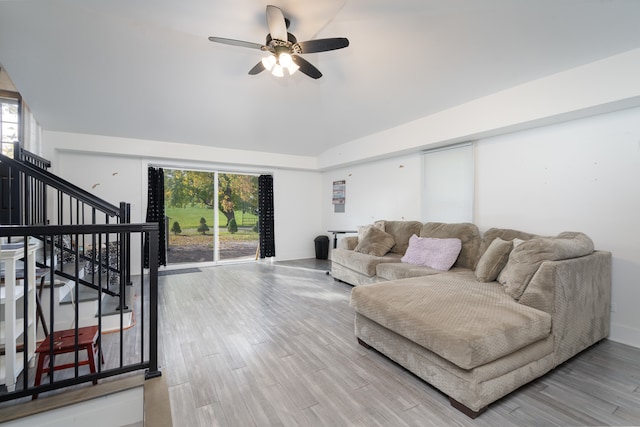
x,y
269,61
285,60
293,68
277,70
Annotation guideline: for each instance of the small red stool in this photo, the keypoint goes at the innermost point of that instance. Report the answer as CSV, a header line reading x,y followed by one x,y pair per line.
x,y
64,342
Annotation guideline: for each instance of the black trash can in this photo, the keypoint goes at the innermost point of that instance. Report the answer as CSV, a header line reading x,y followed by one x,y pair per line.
x,y
322,247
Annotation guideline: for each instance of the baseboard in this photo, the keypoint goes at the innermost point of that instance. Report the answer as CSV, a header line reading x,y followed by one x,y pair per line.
x,y
625,335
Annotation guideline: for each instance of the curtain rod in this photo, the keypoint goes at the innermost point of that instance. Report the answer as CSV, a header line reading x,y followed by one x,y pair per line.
x,y
199,169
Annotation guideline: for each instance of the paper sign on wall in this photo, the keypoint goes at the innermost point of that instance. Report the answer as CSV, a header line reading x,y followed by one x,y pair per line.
x,y
338,197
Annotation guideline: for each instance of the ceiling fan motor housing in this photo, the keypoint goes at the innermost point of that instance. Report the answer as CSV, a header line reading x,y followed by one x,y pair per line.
x,y
290,38
278,47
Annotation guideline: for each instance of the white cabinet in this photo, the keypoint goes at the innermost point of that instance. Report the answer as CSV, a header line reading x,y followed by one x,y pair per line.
x,y
12,295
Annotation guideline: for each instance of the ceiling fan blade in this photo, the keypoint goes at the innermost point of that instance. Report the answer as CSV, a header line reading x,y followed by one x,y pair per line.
x,y
258,68
323,45
234,42
306,67
276,23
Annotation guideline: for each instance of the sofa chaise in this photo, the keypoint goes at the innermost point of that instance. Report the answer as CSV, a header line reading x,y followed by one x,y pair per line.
x,y
511,307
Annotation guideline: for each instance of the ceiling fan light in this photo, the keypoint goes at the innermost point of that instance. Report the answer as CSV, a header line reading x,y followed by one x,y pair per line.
x,y
292,68
277,71
269,62
285,60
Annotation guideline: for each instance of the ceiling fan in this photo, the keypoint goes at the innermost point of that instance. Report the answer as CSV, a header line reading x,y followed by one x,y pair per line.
x,y
284,48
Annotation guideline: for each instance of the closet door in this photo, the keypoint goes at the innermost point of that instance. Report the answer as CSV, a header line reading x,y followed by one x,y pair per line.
x,y
448,184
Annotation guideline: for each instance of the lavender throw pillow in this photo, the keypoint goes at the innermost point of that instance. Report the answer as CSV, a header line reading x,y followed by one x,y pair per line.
x,y
439,254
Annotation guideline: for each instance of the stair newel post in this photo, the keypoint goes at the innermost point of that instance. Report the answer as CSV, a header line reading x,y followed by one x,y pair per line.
x,y
123,262
25,326
28,205
43,202
153,371
128,245
76,288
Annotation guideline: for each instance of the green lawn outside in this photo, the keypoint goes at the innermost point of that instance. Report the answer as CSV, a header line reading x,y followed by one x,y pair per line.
x,y
189,217
189,220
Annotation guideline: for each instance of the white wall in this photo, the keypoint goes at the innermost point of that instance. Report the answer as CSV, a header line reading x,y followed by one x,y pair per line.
x,y
448,184
113,178
580,176
125,408
115,170
297,213
201,154
385,189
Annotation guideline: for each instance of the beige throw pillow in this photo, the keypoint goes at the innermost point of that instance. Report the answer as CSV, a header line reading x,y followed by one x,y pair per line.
x,y
504,273
375,242
493,260
363,228
526,258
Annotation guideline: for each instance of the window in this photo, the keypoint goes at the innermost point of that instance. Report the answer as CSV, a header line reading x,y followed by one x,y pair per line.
x,y
9,121
448,184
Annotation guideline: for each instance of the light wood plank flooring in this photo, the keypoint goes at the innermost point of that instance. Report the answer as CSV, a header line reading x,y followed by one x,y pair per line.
x,y
259,344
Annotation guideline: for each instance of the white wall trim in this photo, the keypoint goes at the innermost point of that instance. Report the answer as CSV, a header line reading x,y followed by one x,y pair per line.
x,y
161,152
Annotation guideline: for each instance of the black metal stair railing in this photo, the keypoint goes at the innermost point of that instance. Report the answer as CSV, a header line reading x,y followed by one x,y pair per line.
x,y
46,199
43,323
33,158
37,189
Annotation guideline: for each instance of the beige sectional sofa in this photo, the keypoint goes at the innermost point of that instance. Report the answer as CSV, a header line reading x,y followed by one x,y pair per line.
x,y
497,319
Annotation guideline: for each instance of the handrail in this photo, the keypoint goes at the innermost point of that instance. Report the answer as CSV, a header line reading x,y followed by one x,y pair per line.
x,y
137,352
35,230
28,156
62,185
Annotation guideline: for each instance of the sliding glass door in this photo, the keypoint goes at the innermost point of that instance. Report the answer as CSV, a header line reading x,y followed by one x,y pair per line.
x,y
238,216
211,216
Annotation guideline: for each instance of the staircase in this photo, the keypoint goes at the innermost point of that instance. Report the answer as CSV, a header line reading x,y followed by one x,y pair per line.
x,y
76,272
65,302
70,205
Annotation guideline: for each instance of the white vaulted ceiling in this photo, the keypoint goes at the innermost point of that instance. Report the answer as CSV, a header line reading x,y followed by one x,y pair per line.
x,y
144,69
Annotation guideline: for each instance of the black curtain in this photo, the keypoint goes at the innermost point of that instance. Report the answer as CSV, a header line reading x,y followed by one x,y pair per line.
x,y
265,218
155,213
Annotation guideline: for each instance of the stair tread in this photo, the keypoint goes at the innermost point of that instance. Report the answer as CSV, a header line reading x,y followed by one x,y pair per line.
x,y
84,294
110,304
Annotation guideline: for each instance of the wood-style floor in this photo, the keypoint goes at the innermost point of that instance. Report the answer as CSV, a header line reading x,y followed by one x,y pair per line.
x,y
262,344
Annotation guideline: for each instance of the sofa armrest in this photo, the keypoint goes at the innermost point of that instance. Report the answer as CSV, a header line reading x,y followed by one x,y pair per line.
x,y
349,242
577,294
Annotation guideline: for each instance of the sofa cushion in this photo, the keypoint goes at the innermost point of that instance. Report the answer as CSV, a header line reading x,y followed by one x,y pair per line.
x,y
503,233
525,259
375,242
348,242
401,270
439,254
359,262
363,228
493,260
502,276
453,315
468,234
401,232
